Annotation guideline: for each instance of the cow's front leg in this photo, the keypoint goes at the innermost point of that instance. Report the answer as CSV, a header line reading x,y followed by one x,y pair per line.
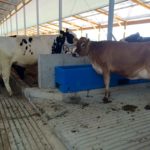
x,y
106,76
6,75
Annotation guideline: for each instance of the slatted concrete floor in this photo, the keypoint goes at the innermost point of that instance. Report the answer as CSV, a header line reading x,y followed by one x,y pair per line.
x,y
98,126
21,127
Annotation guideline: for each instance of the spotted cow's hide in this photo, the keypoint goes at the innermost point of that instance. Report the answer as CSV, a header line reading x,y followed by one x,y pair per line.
x,y
24,50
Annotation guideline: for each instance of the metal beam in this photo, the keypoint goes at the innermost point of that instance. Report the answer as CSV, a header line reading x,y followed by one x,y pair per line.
x,y
139,2
3,13
131,22
87,20
55,25
7,2
4,9
17,9
72,24
44,29
106,13
48,27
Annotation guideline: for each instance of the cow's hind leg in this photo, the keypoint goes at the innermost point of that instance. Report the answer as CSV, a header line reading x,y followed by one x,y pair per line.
x,y
6,67
106,76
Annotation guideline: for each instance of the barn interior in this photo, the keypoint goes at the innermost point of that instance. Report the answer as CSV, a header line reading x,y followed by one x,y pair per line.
x,y
39,115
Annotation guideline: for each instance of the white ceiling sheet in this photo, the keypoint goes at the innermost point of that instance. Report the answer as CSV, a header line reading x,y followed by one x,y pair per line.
x,y
49,10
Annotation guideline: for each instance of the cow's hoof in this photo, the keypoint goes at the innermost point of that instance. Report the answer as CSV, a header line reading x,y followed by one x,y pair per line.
x,y
106,100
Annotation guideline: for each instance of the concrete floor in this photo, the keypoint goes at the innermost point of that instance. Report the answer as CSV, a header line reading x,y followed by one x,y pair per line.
x,y
22,127
86,123
52,120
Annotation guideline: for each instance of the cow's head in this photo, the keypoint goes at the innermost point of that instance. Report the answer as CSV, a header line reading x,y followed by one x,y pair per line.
x,y
81,47
64,42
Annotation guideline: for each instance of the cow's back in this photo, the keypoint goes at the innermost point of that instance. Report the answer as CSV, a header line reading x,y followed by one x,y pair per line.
x,y
124,58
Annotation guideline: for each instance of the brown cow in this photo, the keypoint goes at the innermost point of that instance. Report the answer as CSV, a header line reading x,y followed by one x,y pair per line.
x,y
132,60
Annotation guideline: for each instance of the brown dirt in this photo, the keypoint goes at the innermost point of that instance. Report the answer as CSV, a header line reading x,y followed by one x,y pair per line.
x,y
129,108
83,105
31,75
147,107
75,100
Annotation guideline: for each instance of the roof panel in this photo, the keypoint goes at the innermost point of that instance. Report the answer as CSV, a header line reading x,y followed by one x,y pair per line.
x,y
69,18
124,5
88,13
123,9
81,23
129,13
99,18
7,6
145,1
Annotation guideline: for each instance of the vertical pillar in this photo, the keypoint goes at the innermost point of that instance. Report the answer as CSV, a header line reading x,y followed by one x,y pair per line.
x,y
24,15
37,16
81,32
3,28
86,35
110,19
16,22
60,15
99,33
6,27
125,26
10,24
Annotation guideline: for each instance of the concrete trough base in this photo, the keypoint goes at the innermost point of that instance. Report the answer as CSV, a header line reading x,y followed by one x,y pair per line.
x,y
56,95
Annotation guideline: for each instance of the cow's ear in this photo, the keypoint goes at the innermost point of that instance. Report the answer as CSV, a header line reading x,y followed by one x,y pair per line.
x,y
84,44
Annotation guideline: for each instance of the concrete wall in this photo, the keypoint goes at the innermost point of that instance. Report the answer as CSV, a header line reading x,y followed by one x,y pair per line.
x,y
47,63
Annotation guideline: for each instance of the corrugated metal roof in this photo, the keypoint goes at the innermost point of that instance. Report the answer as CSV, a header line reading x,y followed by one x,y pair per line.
x,y
7,6
126,12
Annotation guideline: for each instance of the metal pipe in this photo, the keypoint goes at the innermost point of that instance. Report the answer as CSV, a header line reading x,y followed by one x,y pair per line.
x,y
11,24
99,33
110,19
37,15
60,15
6,27
16,22
24,15
3,29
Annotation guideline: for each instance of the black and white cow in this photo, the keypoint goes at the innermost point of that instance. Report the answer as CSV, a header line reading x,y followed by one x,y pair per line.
x,y
24,50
